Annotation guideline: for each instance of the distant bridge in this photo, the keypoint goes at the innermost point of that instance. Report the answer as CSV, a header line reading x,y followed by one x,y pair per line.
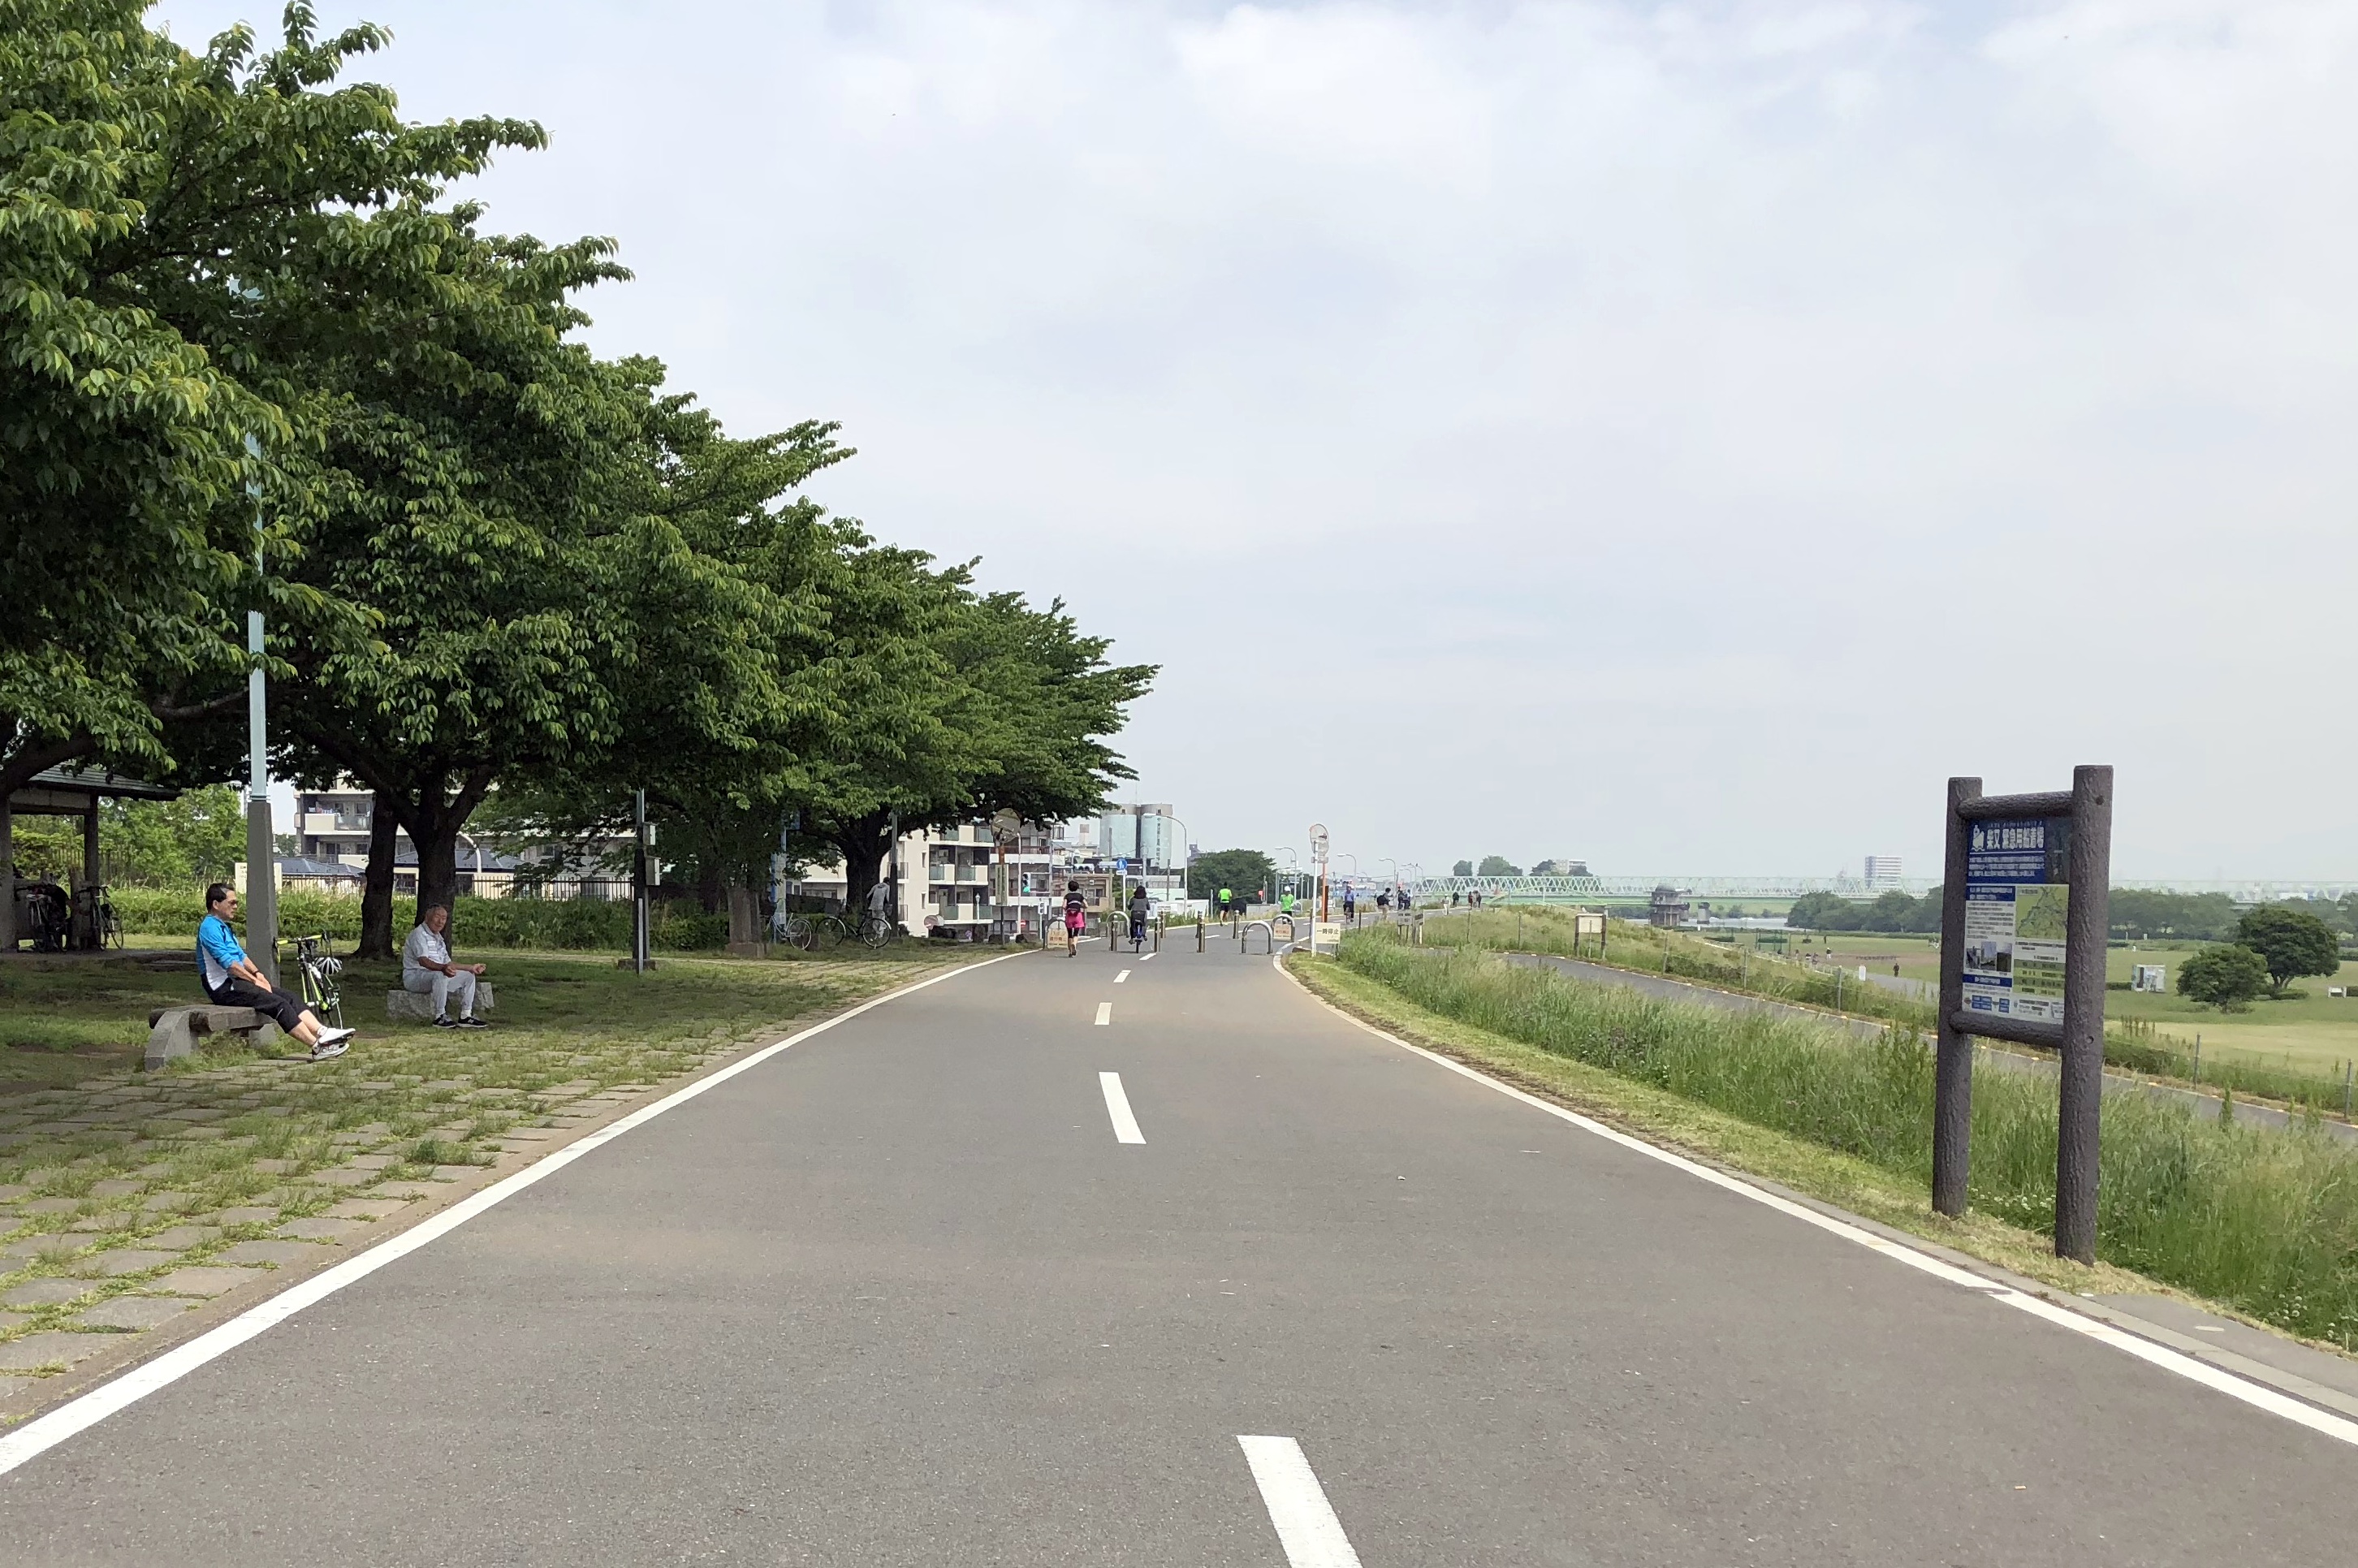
x,y
1638,889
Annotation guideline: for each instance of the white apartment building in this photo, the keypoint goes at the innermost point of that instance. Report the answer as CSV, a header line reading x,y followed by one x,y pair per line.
x,y
1882,873
333,826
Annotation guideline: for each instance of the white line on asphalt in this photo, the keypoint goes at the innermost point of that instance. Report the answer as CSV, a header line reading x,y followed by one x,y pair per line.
x,y
1124,975
38,1437
1147,959
2192,1369
1306,1526
1105,1013
1125,1126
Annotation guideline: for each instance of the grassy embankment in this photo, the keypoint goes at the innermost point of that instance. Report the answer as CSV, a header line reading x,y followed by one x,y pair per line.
x,y
113,1181
2135,1040
2266,1221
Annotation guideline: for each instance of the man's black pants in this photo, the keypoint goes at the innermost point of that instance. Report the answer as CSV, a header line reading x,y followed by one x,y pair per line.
x,y
276,1005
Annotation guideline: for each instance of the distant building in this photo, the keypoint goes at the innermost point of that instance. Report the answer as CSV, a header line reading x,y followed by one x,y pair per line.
x,y
1882,873
1668,908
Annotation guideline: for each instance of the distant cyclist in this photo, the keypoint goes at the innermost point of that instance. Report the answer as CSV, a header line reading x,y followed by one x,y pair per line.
x,y
1137,912
1076,915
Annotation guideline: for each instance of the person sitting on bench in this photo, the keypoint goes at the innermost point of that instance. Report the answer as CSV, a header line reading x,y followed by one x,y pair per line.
x,y
425,967
231,979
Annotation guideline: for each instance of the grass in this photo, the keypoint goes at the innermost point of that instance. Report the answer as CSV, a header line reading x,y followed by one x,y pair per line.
x,y
230,1144
2266,1221
2134,1041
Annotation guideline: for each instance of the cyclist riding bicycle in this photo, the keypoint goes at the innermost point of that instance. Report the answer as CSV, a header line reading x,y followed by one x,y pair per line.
x,y
1137,912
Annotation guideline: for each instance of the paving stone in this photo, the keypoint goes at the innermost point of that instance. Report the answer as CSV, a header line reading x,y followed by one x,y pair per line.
x,y
346,1177
205,1280
160,1168
201,1132
10,1194
456,1172
280,1252
51,1205
46,1292
133,1312
42,1349
401,1190
274,1167
116,1188
181,1238
93,1223
128,1261
532,1134
321,1228
9,1320
155,1202
367,1208
194,1113
247,1213
58,1242
373,1162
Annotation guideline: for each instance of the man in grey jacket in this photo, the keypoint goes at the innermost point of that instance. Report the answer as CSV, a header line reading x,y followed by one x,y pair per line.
x,y
426,967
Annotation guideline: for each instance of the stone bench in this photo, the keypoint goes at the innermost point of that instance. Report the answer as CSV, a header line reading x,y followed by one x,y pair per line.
x,y
173,1031
419,1005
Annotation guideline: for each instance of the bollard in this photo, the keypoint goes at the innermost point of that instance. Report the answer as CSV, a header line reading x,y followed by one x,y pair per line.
x,y
1157,932
1199,934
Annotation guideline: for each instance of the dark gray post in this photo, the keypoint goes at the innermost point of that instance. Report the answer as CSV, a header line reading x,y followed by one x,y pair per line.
x,y
2078,1116
1953,1068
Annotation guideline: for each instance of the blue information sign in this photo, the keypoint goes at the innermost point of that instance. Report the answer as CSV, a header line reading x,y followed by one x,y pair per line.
x,y
2017,902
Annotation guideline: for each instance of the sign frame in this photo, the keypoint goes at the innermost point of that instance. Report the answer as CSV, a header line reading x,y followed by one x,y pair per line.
x,y
1999,845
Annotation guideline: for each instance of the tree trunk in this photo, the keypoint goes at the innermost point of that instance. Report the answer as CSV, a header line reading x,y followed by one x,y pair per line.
x,y
864,842
743,927
376,883
710,890
437,858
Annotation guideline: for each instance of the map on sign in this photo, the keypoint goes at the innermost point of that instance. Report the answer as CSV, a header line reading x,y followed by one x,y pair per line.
x,y
2017,902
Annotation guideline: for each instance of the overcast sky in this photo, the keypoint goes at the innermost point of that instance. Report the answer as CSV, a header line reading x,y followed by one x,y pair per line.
x,y
1673,436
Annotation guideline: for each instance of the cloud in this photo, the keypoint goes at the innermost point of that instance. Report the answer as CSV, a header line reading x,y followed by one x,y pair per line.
x,y
1676,436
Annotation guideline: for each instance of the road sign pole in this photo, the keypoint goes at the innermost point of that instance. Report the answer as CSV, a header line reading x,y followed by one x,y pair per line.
x,y
1953,1068
2080,1111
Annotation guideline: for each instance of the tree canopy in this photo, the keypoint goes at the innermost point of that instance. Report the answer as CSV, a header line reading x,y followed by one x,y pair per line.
x,y
2291,942
252,357
2226,977
1247,873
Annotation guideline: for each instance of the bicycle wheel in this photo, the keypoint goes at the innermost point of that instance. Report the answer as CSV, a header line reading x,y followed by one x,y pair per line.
x,y
796,932
876,931
110,926
832,933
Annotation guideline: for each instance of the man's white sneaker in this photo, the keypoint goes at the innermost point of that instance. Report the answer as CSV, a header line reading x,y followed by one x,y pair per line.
x,y
327,1048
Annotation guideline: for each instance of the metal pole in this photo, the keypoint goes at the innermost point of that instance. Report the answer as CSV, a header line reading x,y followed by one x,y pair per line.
x,y
1952,1066
2081,1108
639,923
261,841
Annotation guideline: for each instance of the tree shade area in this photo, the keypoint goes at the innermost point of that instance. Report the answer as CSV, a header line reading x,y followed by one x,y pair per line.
x,y
1247,873
241,317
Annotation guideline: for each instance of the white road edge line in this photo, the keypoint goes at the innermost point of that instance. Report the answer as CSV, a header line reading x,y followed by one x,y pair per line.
x,y
1105,1013
1125,1126
1147,959
1306,1526
2192,1369
38,1436
1124,975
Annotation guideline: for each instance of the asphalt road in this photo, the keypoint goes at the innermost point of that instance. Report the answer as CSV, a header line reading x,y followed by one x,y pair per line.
x,y
900,1295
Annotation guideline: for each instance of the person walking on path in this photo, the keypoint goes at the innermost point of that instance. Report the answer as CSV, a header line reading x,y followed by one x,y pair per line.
x,y
231,979
426,968
1077,914
1350,903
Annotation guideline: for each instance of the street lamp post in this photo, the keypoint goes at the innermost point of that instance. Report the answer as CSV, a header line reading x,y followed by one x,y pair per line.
x,y
261,841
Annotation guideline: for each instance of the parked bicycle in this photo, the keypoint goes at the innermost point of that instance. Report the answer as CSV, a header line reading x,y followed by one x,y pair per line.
x,y
813,933
877,931
322,989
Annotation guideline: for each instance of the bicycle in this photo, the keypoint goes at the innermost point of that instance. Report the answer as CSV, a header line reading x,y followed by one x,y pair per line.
x,y
811,933
322,993
104,921
876,931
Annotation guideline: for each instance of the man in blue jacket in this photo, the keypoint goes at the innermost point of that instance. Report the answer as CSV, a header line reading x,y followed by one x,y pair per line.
x,y
231,979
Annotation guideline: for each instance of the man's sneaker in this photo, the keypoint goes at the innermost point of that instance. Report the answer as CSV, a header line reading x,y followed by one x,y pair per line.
x,y
472,1021
444,1020
331,1037
327,1048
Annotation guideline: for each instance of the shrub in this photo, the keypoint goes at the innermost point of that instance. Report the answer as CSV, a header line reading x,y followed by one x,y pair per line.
x,y
2226,977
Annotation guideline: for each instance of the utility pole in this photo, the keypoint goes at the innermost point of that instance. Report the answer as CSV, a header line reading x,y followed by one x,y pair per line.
x,y
261,842
641,960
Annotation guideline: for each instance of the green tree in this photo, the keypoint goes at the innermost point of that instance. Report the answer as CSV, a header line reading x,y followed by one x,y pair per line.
x,y
1499,866
1462,869
1824,912
2141,914
1247,872
2292,941
2226,977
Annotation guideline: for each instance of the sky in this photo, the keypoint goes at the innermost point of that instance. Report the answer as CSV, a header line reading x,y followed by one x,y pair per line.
x,y
1674,437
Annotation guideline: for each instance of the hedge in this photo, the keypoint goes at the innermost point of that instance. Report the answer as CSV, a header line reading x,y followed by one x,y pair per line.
x,y
577,924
